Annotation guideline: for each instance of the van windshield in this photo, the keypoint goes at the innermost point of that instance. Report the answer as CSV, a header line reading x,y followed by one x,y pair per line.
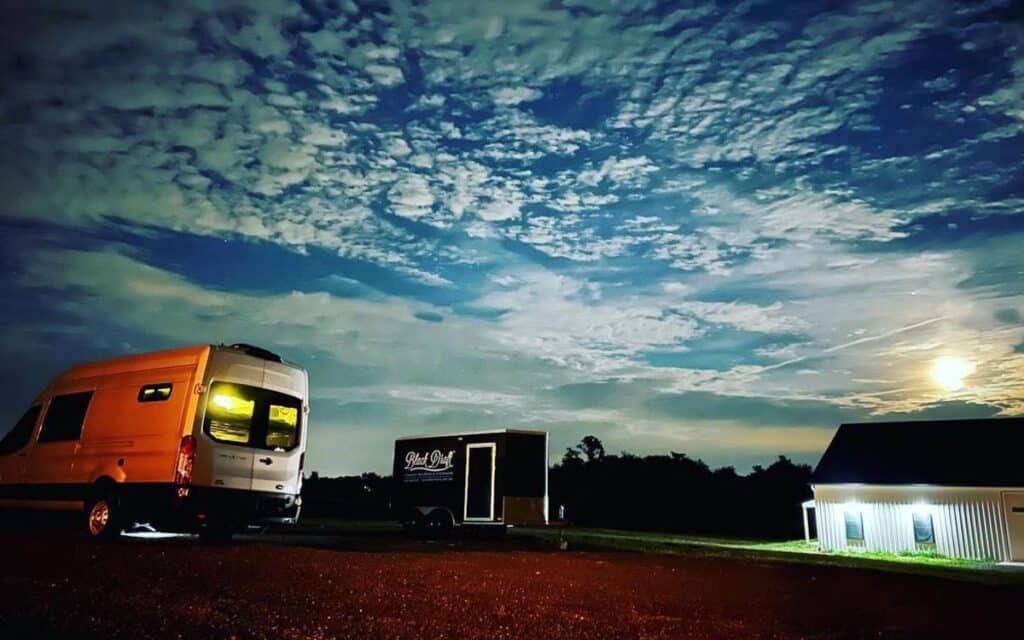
x,y
20,434
250,416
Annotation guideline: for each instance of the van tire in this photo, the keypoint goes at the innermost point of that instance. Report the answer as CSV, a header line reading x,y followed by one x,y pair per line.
x,y
103,517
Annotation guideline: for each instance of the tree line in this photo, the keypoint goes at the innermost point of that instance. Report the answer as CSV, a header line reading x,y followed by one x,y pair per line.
x,y
672,493
677,493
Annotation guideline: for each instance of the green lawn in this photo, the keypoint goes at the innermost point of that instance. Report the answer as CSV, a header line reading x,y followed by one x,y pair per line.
x,y
788,551
699,546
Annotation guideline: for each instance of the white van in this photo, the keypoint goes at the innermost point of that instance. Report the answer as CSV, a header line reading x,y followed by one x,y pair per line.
x,y
208,439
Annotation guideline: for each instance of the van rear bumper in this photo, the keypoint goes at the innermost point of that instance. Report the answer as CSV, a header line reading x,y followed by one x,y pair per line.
x,y
159,503
238,506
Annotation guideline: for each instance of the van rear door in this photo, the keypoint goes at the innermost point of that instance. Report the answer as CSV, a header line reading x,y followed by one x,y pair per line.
x,y
231,424
275,466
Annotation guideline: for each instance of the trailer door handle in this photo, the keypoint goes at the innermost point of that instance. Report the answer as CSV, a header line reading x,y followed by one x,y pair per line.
x,y
267,460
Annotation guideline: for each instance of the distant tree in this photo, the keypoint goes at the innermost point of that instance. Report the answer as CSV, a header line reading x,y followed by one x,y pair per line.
x,y
592,448
572,457
678,493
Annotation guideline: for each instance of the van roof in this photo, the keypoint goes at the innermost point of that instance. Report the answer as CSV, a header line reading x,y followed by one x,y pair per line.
x,y
165,358
137,362
473,433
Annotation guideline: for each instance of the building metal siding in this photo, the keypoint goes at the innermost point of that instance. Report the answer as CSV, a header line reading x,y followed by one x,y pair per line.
x,y
966,522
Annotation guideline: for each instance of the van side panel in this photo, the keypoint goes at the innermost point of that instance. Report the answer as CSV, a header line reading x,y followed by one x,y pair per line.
x,y
132,441
115,428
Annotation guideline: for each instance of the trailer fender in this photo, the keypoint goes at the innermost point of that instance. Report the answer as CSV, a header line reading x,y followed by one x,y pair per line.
x,y
434,511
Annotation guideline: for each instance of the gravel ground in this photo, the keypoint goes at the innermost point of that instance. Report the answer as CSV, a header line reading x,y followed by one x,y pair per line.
x,y
297,587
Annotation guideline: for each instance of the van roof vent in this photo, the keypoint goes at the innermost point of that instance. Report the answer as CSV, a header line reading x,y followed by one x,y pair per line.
x,y
256,352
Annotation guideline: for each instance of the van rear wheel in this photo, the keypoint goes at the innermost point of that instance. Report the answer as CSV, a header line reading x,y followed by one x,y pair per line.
x,y
103,518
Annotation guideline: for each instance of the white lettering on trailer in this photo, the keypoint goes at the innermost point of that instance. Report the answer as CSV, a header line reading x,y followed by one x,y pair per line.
x,y
429,461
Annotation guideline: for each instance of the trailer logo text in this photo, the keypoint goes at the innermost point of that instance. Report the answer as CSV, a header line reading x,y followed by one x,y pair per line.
x,y
431,462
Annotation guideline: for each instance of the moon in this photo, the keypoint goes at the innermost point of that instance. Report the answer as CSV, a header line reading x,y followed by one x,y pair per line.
x,y
949,372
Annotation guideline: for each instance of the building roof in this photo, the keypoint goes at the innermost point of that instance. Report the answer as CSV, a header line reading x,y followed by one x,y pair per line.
x,y
956,453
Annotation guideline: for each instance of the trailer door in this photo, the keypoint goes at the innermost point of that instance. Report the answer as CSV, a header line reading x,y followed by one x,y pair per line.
x,y
479,504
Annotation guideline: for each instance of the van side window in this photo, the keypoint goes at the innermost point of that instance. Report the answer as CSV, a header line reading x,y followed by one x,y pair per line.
x,y
18,437
229,413
64,417
155,392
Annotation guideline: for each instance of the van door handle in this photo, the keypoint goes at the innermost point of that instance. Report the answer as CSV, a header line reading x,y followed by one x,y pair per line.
x,y
267,460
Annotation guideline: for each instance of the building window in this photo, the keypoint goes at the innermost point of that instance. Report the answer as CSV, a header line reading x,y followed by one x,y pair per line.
x,y
155,392
64,417
924,530
854,528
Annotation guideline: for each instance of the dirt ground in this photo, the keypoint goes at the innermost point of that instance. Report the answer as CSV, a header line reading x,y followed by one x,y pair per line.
x,y
63,585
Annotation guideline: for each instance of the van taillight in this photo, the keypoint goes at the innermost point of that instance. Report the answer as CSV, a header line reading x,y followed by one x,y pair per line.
x,y
183,471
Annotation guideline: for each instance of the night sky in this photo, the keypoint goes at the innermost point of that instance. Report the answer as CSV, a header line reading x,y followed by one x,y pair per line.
x,y
717,228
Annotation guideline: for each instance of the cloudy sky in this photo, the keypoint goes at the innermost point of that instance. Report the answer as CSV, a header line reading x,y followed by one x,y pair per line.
x,y
718,228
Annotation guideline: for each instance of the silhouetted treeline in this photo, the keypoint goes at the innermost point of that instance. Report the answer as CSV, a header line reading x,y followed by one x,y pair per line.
x,y
673,493
365,497
676,493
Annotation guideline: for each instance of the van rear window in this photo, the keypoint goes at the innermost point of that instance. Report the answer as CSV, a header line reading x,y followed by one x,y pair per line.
x,y
155,392
64,417
229,413
282,426
250,416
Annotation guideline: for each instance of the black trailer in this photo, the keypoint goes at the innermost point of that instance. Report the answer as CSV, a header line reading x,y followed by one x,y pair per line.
x,y
485,478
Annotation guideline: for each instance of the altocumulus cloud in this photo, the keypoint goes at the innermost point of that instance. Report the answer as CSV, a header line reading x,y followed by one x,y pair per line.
x,y
715,229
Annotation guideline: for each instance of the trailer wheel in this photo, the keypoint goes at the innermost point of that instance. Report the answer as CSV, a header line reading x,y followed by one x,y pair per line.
x,y
438,524
103,517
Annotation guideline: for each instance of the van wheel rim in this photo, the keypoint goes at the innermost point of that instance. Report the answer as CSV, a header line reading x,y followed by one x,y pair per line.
x,y
99,517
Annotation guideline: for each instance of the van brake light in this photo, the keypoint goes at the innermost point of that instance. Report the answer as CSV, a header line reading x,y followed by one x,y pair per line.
x,y
183,470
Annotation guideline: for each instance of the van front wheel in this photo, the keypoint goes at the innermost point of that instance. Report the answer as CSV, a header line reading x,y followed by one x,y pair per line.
x,y
103,518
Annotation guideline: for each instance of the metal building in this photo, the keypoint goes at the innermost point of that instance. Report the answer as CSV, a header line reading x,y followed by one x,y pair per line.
x,y
953,487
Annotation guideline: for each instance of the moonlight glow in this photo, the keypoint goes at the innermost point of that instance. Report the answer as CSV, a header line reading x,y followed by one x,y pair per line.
x,y
949,372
